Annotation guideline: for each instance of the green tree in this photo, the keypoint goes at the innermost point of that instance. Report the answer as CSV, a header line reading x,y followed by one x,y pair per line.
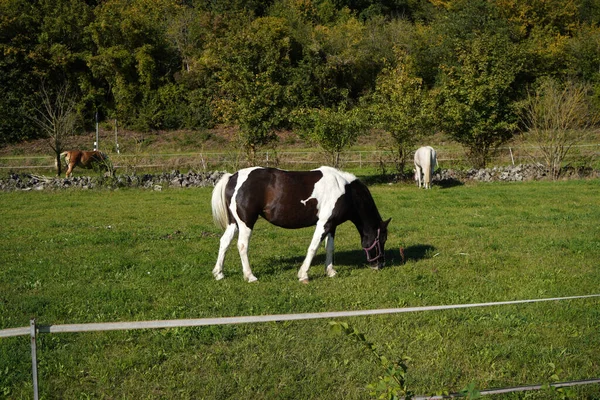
x,y
584,51
401,106
133,57
477,86
253,81
39,40
332,129
337,56
476,102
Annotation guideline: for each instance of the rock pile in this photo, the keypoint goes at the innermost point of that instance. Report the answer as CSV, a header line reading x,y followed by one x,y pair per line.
x,y
150,181
442,177
512,173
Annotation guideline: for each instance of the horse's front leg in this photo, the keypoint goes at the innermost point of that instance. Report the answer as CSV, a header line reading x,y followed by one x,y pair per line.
x,y
223,246
243,240
329,256
312,249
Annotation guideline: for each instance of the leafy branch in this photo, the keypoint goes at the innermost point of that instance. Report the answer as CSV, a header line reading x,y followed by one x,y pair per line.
x,y
392,384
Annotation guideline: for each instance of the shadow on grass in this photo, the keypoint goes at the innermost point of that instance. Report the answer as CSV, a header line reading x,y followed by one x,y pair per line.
x,y
418,252
448,183
354,259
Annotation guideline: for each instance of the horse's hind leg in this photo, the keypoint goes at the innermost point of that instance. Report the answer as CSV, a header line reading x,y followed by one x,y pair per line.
x,y
223,246
418,175
69,170
329,256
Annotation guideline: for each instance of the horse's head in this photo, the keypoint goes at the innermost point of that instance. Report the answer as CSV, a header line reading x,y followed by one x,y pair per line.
x,y
374,245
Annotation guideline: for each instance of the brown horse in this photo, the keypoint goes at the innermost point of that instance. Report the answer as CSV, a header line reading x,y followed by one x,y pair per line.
x,y
84,159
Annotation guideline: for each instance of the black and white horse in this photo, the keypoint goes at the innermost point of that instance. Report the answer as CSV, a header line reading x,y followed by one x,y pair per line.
x,y
324,197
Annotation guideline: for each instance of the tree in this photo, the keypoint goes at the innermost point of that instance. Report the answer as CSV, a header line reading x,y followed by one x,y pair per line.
x,y
557,117
332,129
41,40
55,114
476,102
253,81
133,57
401,106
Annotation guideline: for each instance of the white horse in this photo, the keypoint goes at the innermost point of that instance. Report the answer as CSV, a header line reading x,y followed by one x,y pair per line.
x,y
425,164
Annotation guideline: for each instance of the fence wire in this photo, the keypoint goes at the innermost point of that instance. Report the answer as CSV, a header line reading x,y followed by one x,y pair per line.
x,y
32,330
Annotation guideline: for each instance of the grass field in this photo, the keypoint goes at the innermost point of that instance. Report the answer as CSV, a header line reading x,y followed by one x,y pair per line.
x,y
125,255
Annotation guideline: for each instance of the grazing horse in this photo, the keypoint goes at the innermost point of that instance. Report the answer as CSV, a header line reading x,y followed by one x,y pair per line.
x,y
425,163
324,197
84,159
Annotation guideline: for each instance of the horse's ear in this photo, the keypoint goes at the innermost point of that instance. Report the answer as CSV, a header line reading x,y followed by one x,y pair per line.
x,y
384,224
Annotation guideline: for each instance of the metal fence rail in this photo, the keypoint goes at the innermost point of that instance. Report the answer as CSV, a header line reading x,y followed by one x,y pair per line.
x,y
32,330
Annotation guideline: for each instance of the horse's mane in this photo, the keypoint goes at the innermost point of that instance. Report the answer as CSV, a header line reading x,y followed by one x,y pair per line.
x,y
362,200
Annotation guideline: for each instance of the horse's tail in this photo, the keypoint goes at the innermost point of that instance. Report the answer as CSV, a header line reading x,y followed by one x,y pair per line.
x,y
434,162
62,156
219,202
427,169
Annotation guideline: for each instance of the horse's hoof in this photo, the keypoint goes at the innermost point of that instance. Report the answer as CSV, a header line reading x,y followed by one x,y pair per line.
x,y
219,276
252,278
304,281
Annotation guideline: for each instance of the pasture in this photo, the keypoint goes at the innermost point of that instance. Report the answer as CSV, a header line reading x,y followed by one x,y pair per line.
x,y
98,256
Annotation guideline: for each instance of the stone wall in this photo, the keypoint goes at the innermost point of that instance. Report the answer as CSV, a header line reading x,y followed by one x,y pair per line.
x,y
149,181
513,173
442,177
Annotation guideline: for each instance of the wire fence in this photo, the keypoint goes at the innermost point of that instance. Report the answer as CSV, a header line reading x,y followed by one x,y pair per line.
x,y
386,160
33,330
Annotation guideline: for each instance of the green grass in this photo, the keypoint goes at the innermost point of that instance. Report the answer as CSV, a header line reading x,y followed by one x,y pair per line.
x,y
124,255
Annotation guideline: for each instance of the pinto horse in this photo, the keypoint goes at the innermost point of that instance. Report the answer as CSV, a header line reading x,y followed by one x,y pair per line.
x,y
425,163
324,197
84,159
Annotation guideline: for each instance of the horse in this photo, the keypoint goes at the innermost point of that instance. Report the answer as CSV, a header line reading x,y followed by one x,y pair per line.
x,y
84,159
325,197
425,164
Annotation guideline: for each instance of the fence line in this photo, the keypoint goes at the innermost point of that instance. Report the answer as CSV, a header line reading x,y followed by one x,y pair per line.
x,y
291,157
176,323
514,389
32,330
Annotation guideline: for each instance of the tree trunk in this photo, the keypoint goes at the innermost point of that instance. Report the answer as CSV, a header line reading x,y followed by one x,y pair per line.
x,y
58,163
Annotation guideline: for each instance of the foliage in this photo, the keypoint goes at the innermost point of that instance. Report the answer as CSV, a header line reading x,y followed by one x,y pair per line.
x,y
170,64
392,385
132,56
476,103
254,79
401,106
332,129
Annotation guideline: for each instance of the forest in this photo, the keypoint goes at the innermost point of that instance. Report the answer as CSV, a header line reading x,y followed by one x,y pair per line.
x,y
480,71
